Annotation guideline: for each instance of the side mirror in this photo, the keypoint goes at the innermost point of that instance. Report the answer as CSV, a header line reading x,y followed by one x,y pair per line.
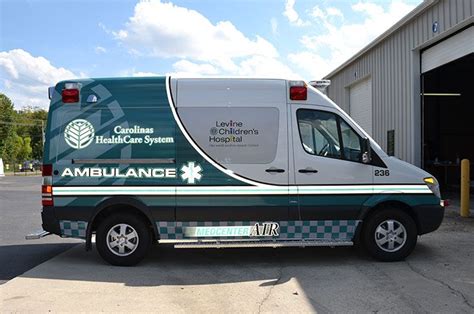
x,y
366,151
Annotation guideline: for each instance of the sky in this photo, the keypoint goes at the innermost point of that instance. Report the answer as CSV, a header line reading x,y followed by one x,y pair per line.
x,y
43,42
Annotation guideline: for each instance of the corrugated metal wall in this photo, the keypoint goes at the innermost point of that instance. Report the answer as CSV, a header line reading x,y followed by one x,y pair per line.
x,y
391,64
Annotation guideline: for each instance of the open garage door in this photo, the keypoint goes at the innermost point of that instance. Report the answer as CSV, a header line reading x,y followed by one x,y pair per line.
x,y
453,48
360,104
448,111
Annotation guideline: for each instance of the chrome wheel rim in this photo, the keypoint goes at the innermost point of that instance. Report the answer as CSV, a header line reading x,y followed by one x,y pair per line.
x,y
122,239
390,235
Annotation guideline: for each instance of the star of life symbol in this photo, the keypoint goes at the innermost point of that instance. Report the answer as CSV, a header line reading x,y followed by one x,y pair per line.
x,y
79,133
191,172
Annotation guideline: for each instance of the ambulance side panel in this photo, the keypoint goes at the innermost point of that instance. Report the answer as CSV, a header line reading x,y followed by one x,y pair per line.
x,y
241,125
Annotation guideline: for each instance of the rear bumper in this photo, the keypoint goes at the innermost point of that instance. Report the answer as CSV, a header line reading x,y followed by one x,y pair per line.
x,y
50,221
429,217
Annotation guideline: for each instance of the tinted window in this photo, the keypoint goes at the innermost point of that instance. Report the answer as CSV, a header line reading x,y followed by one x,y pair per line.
x,y
319,133
324,133
351,142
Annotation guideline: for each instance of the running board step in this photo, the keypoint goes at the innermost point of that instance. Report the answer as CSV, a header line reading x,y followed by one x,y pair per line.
x,y
249,244
37,235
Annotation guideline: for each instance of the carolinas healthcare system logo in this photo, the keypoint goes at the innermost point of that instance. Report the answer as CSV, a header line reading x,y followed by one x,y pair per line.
x,y
79,133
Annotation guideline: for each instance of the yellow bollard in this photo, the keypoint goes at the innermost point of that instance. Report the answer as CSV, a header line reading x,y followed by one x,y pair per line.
x,y
465,187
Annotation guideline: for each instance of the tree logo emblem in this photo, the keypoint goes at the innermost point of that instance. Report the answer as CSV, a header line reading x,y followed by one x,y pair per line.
x,y
79,133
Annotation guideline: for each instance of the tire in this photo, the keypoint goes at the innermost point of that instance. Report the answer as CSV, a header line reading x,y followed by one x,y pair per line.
x,y
118,250
389,235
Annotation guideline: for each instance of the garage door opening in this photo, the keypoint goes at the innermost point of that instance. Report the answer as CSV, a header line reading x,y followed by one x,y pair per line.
x,y
448,119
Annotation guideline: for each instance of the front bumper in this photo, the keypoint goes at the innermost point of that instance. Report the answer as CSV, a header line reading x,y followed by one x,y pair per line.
x,y
429,217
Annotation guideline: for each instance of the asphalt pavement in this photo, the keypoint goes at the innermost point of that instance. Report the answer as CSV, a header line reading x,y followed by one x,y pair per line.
x,y
438,277
20,213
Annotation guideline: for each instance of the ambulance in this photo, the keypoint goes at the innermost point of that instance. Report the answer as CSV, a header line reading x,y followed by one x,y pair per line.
x,y
223,163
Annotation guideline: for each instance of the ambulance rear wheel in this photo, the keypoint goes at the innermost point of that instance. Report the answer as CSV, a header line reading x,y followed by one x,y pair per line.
x,y
390,235
123,239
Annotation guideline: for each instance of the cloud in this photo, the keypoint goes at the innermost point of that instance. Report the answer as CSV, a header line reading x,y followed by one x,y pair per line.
x,y
274,25
100,50
202,48
292,15
186,68
26,78
144,74
340,39
166,30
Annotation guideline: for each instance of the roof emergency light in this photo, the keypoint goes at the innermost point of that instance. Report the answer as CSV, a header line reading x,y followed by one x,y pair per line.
x,y
321,85
298,90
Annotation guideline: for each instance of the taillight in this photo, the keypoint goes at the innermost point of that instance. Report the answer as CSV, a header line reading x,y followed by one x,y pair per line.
x,y
70,93
47,187
298,90
46,170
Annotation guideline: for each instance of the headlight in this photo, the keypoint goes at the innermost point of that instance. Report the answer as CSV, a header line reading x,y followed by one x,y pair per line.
x,y
432,183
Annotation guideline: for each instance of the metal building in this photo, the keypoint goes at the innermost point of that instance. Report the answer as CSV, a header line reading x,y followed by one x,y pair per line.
x,y
412,87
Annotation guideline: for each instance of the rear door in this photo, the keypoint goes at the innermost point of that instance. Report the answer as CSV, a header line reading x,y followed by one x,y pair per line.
x,y
332,181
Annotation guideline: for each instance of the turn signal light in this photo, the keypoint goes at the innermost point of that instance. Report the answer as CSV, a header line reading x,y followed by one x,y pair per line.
x,y
429,180
47,188
47,195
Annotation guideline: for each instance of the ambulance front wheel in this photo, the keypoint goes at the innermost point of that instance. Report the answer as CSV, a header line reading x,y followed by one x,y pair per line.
x,y
389,234
123,239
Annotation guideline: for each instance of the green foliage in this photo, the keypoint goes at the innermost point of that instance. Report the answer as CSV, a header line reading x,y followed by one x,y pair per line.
x,y
24,148
7,114
21,131
32,115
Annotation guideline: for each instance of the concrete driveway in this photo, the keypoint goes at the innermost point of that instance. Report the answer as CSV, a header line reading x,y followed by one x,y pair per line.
x,y
437,277
20,213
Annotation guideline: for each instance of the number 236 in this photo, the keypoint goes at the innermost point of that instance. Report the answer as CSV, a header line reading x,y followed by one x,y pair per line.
x,y
382,173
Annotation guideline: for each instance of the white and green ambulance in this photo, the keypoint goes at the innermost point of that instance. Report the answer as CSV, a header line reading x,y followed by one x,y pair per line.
x,y
216,163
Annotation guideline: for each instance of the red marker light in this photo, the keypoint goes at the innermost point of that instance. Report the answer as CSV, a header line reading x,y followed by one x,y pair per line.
x,y
70,95
298,93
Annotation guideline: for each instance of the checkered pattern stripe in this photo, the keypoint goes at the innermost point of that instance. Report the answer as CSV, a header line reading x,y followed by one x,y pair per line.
x,y
294,229
73,229
318,229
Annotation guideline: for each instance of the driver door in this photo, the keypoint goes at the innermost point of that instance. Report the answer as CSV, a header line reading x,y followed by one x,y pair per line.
x,y
332,181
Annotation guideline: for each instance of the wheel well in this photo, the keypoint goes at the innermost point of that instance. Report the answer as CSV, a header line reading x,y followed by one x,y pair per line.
x,y
394,204
122,208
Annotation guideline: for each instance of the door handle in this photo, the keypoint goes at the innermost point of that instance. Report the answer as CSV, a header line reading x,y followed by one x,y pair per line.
x,y
275,170
308,170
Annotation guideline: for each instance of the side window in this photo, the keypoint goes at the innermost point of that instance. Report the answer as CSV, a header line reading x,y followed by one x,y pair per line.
x,y
324,133
319,133
351,142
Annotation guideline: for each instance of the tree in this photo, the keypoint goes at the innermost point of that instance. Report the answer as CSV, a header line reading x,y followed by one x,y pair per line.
x,y
7,116
31,122
10,147
24,148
